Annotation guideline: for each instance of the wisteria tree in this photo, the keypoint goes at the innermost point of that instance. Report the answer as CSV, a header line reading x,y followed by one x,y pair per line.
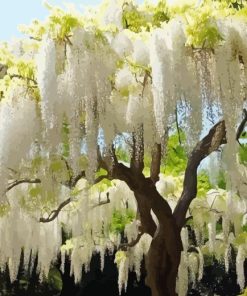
x,y
90,106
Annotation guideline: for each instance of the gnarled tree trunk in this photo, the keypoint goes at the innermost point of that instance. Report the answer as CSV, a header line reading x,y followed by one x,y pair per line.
x,y
164,254
163,257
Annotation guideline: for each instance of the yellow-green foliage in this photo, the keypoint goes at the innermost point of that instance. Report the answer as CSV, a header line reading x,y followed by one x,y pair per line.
x,y
203,184
20,71
120,219
200,20
245,293
59,24
133,19
176,159
119,256
160,14
201,28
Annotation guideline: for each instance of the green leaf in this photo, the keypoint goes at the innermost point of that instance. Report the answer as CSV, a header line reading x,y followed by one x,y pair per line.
x,y
176,159
203,184
160,14
243,154
244,228
55,279
119,256
120,219
35,191
240,239
56,166
221,180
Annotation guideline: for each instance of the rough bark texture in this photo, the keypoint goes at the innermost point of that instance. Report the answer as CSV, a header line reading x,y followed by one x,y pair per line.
x,y
209,144
164,254
163,257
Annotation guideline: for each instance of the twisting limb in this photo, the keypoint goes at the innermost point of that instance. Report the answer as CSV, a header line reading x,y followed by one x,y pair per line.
x,y
82,175
105,162
68,167
3,70
155,163
131,244
24,78
215,138
115,170
73,181
35,38
164,254
145,80
100,178
53,215
113,154
104,202
68,40
241,126
209,144
144,214
21,181
177,125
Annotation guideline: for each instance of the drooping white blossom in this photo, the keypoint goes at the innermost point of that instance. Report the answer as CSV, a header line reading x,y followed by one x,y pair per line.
x,y
240,266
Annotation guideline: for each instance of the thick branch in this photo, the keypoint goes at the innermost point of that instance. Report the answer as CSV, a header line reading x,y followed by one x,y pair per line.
x,y
73,181
155,163
69,170
24,78
3,70
164,254
210,143
21,181
144,214
177,126
123,173
53,215
242,125
108,159
132,243
103,202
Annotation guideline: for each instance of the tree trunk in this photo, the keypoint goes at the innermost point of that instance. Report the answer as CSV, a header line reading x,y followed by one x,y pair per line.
x,y
162,267
163,257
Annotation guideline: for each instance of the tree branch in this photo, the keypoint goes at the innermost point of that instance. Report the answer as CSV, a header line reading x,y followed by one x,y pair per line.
x,y
132,243
70,173
215,138
3,70
144,215
21,181
155,163
104,202
53,215
108,160
177,126
73,181
210,143
241,126
24,78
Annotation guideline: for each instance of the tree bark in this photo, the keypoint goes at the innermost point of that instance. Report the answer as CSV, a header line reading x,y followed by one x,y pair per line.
x,y
163,257
210,143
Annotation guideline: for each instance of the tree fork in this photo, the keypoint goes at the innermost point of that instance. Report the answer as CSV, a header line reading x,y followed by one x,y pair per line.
x,y
164,254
